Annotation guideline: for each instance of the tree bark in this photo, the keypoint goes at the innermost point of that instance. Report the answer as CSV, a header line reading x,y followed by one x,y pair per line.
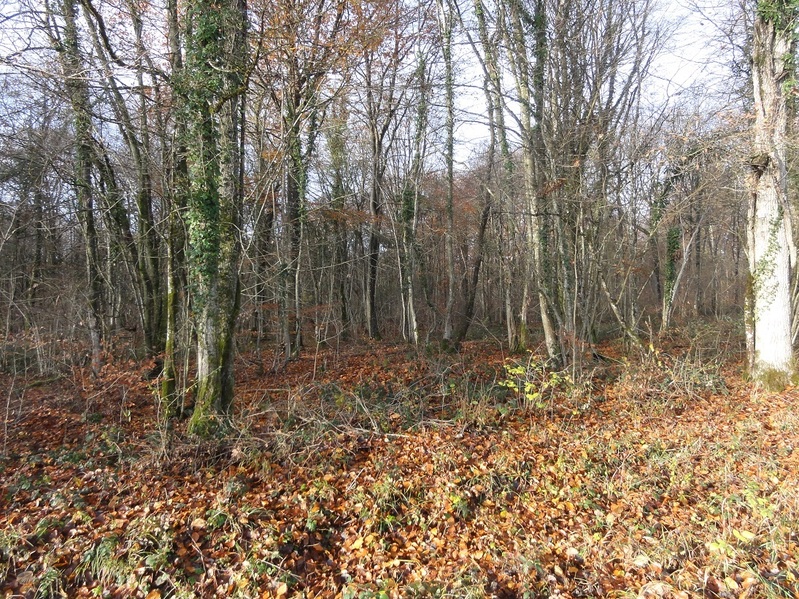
x,y
446,20
77,88
495,107
140,251
177,185
531,96
215,70
769,238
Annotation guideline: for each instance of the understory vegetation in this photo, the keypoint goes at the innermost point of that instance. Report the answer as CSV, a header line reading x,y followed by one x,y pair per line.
x,y
383,471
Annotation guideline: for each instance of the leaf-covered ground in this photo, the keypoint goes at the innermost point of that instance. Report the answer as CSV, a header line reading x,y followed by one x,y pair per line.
x,y
384,473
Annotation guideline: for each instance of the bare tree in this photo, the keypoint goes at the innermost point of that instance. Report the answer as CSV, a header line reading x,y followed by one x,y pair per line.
x,y
67,46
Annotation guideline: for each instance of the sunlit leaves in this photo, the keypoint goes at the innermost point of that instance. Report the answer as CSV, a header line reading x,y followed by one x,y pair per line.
x,y
622,499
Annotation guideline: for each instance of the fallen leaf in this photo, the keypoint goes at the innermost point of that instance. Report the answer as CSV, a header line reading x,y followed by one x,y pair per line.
x,y
199,524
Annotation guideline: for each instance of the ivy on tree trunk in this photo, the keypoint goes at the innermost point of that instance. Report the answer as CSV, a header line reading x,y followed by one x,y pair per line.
x,y
214,93
768,321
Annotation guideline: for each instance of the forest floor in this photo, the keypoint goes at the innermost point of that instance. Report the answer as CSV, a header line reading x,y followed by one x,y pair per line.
x,y
382,472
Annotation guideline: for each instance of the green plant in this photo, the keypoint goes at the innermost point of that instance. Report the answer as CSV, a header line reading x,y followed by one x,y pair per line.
x,y
535,384
426,589
387,494
384,589
45,526
101,562
148,543
49,584
460,506
13,548
760,506
216,518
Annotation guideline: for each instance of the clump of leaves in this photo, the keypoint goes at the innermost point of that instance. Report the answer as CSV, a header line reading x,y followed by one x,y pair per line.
x,y
217,518
13,548
45,526
49,584
148,543
535,385
101,563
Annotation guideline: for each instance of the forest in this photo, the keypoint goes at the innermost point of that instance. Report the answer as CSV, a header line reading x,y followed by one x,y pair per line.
x,y
399,298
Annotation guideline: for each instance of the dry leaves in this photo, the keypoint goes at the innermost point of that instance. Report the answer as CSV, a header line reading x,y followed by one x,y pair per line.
x,y
397,486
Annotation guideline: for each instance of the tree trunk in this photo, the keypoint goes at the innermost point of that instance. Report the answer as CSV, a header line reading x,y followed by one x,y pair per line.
x,y
295,186
215,63
495,107
769,239
531,96
409,211
177,185
78,90
445,24
471,280
140,251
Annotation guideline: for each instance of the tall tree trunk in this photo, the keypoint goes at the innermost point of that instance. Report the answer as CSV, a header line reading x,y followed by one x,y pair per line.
x,y
495,107
140,251
531,95
371,278
177,184
149,251
445,23
699,292
215,72
377,135
77,88
769,238
295,188
409,215
471,277
337,147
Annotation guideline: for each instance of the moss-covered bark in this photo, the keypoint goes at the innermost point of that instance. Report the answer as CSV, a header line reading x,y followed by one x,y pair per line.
x,y
171,394
78,91
213,85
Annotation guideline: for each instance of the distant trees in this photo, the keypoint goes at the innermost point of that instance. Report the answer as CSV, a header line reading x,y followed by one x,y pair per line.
x,y
336,203
578,70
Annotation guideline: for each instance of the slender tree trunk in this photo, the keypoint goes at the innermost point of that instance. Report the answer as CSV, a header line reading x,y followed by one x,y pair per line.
x,y
673,239
177,184
376,136
531,95
139,251
699,292
77,88
371,279
410,204
149,251
341,255
471,281
295,184
445,24
495,107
